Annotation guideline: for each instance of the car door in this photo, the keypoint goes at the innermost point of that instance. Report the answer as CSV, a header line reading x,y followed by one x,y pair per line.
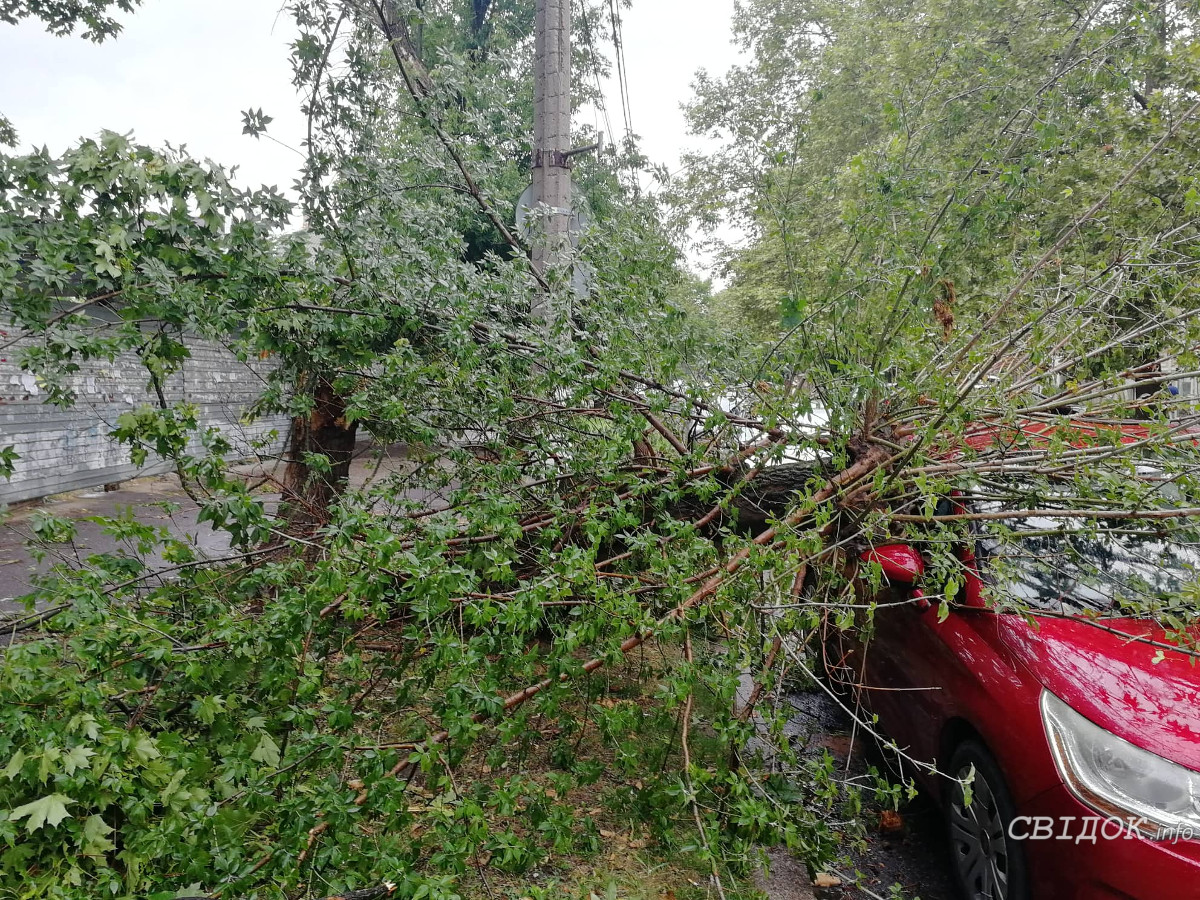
x,y
907,668
925,665
923,656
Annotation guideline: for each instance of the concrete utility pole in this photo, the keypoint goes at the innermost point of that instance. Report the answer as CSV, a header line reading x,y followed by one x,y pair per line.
x,y
552,134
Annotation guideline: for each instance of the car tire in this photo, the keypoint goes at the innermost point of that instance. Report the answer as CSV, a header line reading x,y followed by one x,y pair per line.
x,y
986,863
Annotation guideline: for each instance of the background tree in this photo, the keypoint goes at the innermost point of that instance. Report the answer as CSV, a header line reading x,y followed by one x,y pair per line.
x,y
939,142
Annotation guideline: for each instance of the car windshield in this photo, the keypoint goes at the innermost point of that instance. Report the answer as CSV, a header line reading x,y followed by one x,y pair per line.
x,y
1073,565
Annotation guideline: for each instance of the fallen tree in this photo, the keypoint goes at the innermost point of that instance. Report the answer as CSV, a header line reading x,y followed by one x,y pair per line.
x,y
479,662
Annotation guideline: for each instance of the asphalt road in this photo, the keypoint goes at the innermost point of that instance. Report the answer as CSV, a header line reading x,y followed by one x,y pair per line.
x,y
909,850
156,500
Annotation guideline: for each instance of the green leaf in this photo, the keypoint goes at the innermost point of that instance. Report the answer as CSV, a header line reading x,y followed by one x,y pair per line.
x,y
86,723
145,750
968,786
50,755
266,752
208,708
95,837
172,787
8,456
77,758
49,810
1191,201
13,769
255,122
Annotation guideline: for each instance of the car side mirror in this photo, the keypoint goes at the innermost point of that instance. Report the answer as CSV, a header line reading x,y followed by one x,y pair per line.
x,y
901,564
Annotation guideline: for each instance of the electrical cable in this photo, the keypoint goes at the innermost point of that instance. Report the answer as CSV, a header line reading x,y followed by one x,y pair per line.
x,y
622,77
601,104
623,88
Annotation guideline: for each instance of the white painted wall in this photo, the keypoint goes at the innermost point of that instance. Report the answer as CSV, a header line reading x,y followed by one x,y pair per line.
x,y
70,449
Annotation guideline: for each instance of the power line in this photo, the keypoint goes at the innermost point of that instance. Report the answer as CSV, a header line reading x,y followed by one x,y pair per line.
x,y
622,78
601,104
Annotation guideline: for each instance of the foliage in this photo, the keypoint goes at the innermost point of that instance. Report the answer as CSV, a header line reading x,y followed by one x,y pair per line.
x,y
878,145
218,730
63,17
553,601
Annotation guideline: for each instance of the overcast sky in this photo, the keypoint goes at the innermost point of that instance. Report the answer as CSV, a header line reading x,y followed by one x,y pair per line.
x,y
183,70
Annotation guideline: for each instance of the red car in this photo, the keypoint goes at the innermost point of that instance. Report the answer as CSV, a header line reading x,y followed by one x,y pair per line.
x,y
1082,731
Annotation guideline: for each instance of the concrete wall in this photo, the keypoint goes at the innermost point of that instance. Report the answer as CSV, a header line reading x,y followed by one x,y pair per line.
x,y
69,449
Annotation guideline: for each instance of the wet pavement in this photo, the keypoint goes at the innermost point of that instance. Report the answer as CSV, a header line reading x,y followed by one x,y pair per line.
x,y
786,878
908,849
159,501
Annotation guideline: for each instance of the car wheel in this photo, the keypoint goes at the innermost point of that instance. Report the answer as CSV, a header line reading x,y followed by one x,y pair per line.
x,y
988,864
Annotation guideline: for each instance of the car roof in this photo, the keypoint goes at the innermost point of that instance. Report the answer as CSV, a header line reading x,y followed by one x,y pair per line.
x,y
987,434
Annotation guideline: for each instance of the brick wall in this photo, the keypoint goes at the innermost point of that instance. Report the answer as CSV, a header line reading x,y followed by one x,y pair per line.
x,y
69,449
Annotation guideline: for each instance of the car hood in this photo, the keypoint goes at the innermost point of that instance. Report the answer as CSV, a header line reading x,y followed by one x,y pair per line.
x,y
1107,672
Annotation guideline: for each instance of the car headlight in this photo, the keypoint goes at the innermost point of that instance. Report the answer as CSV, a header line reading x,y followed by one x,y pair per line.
x,y
1116,778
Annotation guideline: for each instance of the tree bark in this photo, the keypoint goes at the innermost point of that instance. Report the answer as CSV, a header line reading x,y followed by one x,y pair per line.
x,y
478,20
310,491
770,493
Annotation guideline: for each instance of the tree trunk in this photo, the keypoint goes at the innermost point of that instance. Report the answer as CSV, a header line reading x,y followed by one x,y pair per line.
x,y
478,20
770,494
309,491
1155,64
